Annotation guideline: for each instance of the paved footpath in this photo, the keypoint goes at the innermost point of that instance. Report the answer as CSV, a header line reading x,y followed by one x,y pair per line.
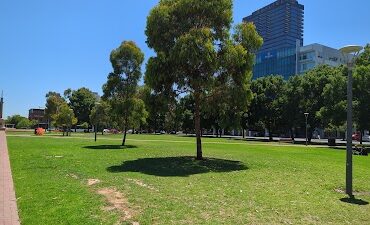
x,y
8,202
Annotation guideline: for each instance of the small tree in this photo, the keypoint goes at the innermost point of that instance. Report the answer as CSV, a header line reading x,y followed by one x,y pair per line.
x,y
65,118
121,87
53,103
100,114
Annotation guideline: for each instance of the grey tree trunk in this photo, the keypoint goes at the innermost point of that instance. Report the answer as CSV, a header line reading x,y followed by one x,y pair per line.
x,y
197,126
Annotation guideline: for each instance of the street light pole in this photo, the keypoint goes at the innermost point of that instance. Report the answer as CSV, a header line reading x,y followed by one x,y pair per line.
x,y
347,51
306,115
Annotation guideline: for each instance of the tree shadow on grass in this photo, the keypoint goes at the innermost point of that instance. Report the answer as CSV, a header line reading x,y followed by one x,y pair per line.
x,y
110,147
353,200
177,166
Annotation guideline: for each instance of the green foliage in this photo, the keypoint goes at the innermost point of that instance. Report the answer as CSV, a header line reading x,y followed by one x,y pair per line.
x,y
292,113
100,114
195,53
81,101
362,97
334,103
267,104
64,117
85,125
53,102
240,182
364,58
21,122
121,88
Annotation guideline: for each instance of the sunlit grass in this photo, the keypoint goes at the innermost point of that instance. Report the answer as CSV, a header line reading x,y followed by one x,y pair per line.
x,y
238,183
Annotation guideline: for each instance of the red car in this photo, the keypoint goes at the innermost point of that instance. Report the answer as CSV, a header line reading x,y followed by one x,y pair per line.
x,y
356,136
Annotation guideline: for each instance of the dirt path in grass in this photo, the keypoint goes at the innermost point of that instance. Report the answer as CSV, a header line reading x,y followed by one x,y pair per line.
x,y
117,201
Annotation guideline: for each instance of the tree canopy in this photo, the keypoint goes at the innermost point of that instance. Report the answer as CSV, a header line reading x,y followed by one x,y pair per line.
x,y
121,88
196,54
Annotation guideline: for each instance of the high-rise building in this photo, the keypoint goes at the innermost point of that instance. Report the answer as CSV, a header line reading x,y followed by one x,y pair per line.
x,y
281,26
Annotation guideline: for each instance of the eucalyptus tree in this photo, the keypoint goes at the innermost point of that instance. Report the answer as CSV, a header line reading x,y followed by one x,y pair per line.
x,y
121,88
100,115
194,49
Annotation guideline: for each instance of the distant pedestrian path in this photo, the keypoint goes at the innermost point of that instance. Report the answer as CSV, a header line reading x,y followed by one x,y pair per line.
x,y
8,203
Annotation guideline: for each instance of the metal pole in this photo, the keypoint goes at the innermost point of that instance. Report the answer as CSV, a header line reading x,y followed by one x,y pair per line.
x,y
349,133
306,132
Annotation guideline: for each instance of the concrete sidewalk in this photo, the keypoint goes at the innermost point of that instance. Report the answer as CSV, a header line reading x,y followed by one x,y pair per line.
x,y
8,202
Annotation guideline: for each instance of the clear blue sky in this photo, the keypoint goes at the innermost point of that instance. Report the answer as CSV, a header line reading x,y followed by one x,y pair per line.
x,y
54,45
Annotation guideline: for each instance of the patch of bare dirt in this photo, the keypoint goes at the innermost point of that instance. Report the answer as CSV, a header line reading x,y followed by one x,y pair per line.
x,y
142,184
117,201
92,182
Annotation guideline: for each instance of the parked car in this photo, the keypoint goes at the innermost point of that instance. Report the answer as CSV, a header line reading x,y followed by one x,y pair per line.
x,y
357,137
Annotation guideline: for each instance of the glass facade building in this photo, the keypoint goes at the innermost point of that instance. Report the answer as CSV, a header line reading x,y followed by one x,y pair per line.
x,y
281,26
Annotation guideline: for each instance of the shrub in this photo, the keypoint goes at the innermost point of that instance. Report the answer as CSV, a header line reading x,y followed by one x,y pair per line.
x,y
40,131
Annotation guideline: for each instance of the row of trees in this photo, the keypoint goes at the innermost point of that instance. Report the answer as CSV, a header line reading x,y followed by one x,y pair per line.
x,y
21,122
200,77
75,106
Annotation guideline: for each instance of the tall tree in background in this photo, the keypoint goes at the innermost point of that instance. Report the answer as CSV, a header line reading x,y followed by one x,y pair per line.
x,y
100,115
334,102
81,101
64,118
121,88
190,38
313,85
267,104
291,112
361,88
53,102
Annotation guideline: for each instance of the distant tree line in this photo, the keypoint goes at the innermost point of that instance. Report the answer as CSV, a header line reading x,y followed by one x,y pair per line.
x,y
200,78
21,122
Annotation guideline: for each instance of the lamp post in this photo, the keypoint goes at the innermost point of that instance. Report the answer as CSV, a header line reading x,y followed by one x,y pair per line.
x,y
306,115
350,53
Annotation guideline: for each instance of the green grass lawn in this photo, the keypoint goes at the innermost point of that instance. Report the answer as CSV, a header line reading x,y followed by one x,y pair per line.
x,y
155,180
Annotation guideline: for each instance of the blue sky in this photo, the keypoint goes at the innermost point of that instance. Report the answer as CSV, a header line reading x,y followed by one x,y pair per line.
x,y
54,45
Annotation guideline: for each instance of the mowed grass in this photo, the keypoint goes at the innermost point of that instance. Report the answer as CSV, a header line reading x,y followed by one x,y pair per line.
x,y
161,183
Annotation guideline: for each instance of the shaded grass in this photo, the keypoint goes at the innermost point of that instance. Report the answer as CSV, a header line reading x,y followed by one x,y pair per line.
x,y
177,166
240,183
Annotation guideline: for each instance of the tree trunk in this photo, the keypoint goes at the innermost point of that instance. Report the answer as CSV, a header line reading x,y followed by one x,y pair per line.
x,y
197,125
270,134
124,137
125,132
292,133
361,134
309,134
243,131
